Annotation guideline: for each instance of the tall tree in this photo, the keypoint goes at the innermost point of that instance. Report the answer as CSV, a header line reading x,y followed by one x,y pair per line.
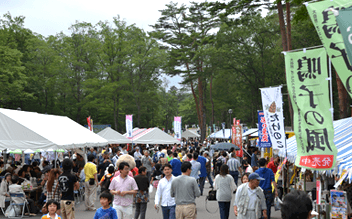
x,y
186,31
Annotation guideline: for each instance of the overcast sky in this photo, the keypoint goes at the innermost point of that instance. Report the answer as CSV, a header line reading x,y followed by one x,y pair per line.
x,y
49,17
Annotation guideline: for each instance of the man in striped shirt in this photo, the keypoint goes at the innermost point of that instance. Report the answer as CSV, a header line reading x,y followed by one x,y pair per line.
x,y
234,167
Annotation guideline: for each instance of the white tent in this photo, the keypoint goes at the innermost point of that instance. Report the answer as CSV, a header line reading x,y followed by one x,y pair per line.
x,y
113,137
221,134
23,130
190,134
251,133
152,136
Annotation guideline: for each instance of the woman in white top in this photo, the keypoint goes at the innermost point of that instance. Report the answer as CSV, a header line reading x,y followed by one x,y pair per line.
x,y
224,185
4,189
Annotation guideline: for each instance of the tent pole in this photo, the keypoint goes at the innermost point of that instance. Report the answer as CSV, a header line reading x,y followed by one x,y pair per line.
x,y
55,158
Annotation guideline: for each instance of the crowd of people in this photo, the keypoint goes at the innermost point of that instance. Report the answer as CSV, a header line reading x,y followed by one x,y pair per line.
x,y
125,175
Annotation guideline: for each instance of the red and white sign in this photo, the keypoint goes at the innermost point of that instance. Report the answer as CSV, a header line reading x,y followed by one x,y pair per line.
x,y
317,161
318,192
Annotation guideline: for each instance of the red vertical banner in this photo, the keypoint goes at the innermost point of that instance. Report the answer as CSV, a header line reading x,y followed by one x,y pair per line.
x,y
318,192
89,124
234,121
233,137
238,138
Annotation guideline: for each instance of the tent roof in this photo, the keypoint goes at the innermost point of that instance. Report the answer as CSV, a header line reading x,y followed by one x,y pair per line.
x,y
113,137
23,130
342,140
220,134
151,136
190,134
251,132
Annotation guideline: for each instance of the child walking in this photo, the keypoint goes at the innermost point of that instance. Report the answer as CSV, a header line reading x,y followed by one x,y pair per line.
x,y
105,212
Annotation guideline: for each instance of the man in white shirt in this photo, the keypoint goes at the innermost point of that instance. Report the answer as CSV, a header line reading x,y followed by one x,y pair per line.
x,y
195,166
168,204
137,157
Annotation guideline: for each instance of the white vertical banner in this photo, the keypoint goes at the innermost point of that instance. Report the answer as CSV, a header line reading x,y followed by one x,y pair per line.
x,y
177,127
273,113
129,125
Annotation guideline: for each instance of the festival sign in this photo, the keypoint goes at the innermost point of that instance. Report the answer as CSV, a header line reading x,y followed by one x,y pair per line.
x,y
177,127
338,204
129,125
272,107
344,20
223,128
323,18
238,138
264,138
309,91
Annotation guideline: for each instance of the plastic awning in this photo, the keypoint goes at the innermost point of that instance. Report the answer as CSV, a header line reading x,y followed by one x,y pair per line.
x,y
152,136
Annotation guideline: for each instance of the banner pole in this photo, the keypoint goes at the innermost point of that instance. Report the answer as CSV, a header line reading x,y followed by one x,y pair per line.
x,y
331,100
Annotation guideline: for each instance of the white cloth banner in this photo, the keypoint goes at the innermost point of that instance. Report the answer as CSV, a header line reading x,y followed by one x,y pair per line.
x,y
177,126
273,113
129,126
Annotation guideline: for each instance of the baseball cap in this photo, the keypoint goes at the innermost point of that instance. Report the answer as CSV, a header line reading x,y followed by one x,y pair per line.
x,y
255,176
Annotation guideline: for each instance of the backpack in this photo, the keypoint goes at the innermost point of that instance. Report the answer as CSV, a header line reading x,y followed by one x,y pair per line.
x,y
106,183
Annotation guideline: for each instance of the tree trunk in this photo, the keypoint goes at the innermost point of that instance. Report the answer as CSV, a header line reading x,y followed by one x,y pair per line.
x,y
115,114
282,26
212,104
288,22
343,98
202,124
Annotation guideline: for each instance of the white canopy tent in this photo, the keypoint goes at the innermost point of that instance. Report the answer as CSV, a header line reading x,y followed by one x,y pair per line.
x,y
251,133
190,134
113,137
221,134
23,130
152,136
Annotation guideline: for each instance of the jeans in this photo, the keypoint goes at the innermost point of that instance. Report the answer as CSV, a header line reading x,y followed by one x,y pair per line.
x,y
169,212
201,184
234,174
269,198
141,208
224,208
210,179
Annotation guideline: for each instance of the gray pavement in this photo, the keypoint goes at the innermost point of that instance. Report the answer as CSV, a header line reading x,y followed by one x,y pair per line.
x,y
152,213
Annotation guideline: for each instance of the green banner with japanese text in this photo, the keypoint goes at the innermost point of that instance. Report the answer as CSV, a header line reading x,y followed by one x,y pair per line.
x,y
309,91
344,20
323,18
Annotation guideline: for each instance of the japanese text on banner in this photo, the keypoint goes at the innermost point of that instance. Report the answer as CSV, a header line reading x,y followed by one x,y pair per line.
x,y
325,24
272,107
307,85
264,138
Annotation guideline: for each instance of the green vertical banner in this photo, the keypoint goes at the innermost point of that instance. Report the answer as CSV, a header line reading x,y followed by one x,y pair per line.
x,y
344,20
309,91
324,20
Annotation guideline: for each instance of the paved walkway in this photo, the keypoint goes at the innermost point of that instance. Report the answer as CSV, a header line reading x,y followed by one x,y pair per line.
x,y
152,213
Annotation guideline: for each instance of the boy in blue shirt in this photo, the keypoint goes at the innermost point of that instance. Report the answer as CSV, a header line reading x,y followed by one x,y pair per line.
x,y
105,212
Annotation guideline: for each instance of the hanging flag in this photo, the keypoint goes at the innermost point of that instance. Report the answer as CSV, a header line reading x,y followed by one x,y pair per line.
x,y
238,139
234,121
177,127
323,18
273,113
344,20
263,135
129,125
309,91
90,123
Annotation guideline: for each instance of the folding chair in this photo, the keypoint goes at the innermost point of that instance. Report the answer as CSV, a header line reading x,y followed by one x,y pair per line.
x,y
14,204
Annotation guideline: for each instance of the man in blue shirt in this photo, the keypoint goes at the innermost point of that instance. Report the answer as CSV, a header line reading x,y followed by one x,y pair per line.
x,y
203,173
254,159
176,165
268,175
